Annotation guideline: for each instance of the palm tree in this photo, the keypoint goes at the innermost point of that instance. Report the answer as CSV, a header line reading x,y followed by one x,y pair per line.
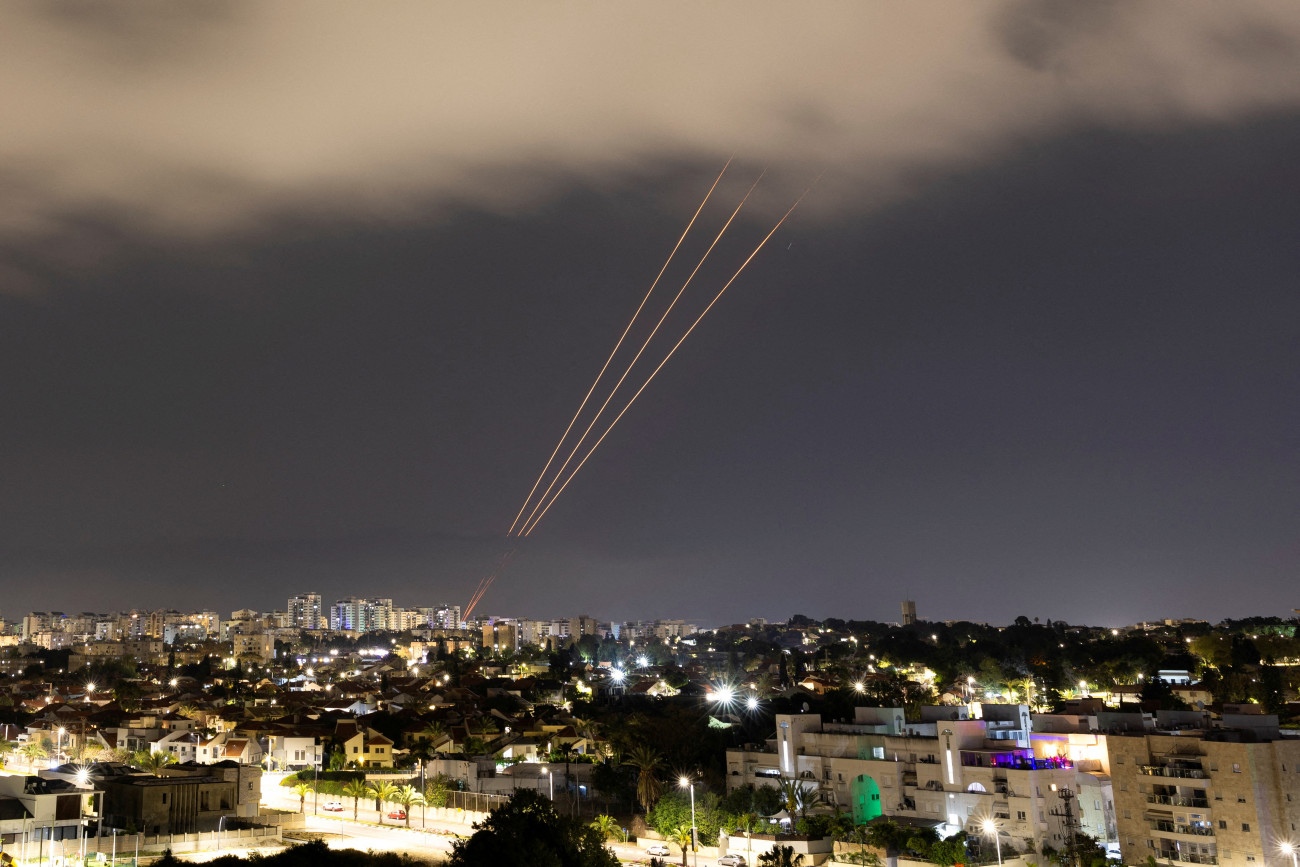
x,y
608,827
382,791
301,789
746,825
796,796
435,733
151,762
781,856
647,761
356,790
407,797
681,837
33,750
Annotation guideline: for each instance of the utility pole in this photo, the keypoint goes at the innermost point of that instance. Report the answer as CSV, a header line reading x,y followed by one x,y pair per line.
x,y
1066,812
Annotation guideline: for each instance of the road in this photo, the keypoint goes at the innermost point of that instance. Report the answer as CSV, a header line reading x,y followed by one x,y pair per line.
x,y
422,839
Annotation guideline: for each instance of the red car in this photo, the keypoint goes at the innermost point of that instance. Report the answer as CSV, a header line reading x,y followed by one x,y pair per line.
x,y
397,814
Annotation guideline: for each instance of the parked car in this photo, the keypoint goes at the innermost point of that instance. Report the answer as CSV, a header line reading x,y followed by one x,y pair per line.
x,y
332,806
397,814
731,861
657,849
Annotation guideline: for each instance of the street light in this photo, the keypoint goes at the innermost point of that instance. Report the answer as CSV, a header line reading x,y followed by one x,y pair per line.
x,y
991,828
58,750
1288,848
687,783
551,781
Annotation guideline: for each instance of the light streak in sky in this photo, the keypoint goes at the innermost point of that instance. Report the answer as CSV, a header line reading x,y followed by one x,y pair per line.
x,y
635,358
529,527
614,351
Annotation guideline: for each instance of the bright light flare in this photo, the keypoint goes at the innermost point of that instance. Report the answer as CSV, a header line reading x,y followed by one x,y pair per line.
x,y
618,675
752,703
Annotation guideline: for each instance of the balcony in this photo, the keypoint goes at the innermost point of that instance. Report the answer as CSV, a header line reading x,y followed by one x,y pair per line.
x,y
1178,801
1186,857
1200,830
1180,773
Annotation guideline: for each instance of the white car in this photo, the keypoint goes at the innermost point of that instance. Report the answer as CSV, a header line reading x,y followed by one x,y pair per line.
x,y
333,807
731,861
657,849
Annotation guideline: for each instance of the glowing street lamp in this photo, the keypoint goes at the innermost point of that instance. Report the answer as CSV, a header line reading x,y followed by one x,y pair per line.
x,y
989,827
1288,848
687,783
859,686
550,779
752,702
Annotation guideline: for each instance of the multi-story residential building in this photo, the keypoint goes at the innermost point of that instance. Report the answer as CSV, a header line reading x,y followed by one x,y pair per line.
x,y
258,645
947,770
501,634
305,611
361,615
1191,792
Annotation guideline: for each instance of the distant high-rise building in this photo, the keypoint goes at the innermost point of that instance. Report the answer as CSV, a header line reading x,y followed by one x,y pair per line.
x,y
909,612
362,615
305,611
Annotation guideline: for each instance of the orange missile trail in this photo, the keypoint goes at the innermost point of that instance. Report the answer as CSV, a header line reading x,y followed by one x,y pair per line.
x,y
614,351
637,357
534,521
486,582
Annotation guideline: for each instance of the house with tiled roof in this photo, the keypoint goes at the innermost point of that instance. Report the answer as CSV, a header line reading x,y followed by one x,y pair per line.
x,y
363,745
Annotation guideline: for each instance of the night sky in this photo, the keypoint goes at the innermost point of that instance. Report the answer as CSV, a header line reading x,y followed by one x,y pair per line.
x,y
300,298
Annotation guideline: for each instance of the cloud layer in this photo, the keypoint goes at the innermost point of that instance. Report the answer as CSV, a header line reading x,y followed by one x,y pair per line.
x,y
208,116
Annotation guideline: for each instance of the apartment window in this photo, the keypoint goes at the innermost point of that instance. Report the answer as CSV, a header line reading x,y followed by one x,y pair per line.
x,y
1119,760
1126,815
1123,786
164,794
1096,805
1245,826
356,749
1250,857
1223,825
1020,815
1236,768
1241,799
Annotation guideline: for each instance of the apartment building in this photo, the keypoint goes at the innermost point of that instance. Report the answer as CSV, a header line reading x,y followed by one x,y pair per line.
x,y
1189,790
947,770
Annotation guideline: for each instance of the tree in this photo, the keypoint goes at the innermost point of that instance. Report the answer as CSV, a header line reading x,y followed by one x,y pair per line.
x,y
647,762
781,856
34,750
356,790
382,791
608,827
152,762
301,789
527,830
435,791
681,837
407,797
796,796
6,747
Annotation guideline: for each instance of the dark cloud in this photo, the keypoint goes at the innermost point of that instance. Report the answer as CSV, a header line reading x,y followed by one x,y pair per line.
x,y
304,304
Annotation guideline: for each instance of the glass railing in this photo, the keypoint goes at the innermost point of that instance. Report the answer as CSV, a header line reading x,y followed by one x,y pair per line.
x,y
1174,828
1181,773
1177,801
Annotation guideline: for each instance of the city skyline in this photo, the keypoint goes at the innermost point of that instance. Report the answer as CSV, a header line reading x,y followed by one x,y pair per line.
x,y
1027,348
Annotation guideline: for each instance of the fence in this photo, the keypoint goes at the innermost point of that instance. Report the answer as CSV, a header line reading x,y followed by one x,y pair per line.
x,y
123,849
